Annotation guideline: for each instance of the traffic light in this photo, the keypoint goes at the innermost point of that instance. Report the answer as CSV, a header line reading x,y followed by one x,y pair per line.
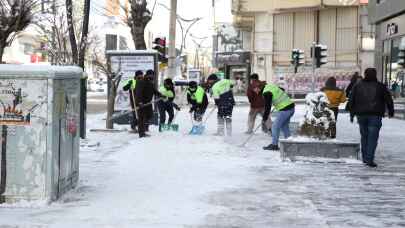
x,y
297,58
401,57
321,54
160,47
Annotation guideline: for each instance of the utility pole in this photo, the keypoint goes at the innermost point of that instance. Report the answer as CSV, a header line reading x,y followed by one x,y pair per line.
x,y
313,65
172,39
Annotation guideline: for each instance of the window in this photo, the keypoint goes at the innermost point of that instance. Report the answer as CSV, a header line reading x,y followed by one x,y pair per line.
x,y
123,43
393,73
110,42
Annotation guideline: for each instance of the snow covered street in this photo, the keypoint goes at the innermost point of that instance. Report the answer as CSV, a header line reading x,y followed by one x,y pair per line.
x,y
177,180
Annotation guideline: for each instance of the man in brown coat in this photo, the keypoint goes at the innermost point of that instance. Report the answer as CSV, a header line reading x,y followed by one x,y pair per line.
x,y
256,101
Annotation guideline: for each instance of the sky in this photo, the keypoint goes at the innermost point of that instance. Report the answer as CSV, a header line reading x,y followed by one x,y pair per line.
x,y
188,9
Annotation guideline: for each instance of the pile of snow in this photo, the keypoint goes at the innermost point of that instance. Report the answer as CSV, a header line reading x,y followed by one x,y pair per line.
x,y
319,121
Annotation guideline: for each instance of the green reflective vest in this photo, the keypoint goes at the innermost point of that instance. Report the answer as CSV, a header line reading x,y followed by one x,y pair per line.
x,y
280,98
221,87
198,95
166,93
133,85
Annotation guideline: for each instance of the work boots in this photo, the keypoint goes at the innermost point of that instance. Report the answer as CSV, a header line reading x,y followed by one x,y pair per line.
x,y
228,121
221,126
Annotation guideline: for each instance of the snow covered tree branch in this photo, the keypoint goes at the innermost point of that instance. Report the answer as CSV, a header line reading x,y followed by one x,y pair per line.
x,y
137,19
15,16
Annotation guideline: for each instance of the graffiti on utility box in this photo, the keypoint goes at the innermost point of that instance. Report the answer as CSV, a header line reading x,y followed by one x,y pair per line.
x,y
13,111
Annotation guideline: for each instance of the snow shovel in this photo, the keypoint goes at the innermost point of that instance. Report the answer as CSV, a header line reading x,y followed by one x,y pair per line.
x,y
198,129
115,116
250,136
170,127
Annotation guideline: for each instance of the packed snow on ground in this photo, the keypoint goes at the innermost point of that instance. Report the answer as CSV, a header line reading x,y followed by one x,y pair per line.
x,y
176,180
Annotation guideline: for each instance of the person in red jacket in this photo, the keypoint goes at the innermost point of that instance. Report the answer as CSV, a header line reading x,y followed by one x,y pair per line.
x,y
256,101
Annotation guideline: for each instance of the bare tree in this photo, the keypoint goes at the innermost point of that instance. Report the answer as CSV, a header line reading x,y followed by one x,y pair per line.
x,y
54,33
78,49
15,16
79,52
114,78
137,19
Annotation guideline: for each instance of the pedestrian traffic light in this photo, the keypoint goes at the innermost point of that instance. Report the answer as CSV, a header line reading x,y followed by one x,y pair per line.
x,y
401,57
297,58
321,54
160,47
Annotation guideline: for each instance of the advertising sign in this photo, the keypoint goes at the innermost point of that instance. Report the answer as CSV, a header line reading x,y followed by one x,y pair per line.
x,y
127,65
301,83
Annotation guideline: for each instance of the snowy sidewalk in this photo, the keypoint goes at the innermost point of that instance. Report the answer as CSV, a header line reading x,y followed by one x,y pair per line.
x,y
177,180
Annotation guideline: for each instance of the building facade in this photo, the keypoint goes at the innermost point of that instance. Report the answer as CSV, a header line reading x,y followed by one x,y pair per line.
x,y
389,18
274,28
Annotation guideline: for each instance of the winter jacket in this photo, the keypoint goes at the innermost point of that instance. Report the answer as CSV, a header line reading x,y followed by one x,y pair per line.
x,y
370,98
335,96
144,93
168,94
130,85
198,99
256,99
274,95
222,93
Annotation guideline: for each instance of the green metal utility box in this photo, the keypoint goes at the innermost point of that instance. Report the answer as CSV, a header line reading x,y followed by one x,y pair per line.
x,y
39,125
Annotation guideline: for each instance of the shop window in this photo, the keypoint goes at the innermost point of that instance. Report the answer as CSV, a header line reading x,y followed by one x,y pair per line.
x,y
393,72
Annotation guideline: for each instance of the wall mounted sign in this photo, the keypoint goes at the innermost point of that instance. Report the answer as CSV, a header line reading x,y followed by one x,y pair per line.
x,y
392,29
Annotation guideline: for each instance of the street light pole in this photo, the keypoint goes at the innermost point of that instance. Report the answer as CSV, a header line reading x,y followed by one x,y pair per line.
x,y
172,39
313,67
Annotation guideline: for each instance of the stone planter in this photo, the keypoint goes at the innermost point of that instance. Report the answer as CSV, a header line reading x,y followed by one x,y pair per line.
x,y
332,149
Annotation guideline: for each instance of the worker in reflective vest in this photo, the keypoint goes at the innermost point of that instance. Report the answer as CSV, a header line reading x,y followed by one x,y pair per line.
x,y
285,108
198,100
130,85
166,104
224,100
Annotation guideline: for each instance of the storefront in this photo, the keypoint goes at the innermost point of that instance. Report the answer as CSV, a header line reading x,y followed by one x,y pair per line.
x,y
389,18
236,66
392,33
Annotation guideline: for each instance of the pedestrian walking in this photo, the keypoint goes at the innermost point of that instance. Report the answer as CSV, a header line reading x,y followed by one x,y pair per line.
x,y
143,97
285,107
335,95
395,90
198,100
369,101
167,105
353,81
130,86
256,101
224,100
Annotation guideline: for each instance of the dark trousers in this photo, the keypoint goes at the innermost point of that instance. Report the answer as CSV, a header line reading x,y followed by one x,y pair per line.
x,y
335,111
142,123
225,111
369,130
134,121
199,113
163,108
